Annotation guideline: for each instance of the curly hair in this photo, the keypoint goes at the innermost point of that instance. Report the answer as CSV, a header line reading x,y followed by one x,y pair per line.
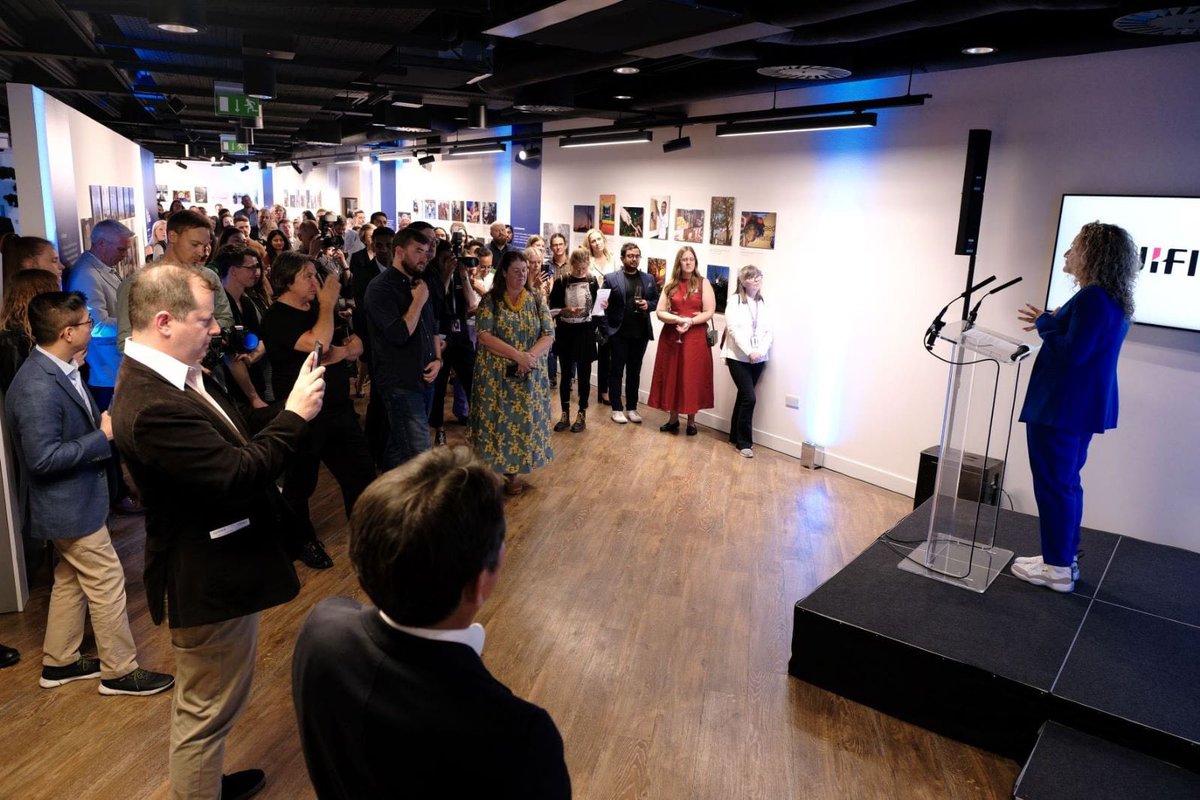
x,y
1110,261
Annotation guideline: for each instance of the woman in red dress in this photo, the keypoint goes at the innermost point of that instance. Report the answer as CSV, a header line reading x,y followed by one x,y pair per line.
x,y
683,369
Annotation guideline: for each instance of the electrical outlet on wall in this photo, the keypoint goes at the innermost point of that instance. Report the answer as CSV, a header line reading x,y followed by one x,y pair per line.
x,y
791,400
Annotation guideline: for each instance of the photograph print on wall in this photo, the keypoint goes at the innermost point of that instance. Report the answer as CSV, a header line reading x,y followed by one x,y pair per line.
x,y
758,230
718,276
444,210
430,209
551,228
608,214
689,225
657,269
474,211
456,211
489,212
631,222
723,221
584,219
660,218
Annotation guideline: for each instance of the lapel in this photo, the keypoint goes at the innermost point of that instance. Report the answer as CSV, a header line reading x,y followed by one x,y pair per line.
x,y
60,377
235,434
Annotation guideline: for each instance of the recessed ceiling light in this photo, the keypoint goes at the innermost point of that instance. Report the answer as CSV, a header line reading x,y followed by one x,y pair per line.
x,y
622,97
978,51
626,70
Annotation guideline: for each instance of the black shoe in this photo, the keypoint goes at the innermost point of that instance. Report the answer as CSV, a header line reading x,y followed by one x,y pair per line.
x,y
602,400
140,682
83,669
241,785
669,427
439,439
563,423
691,430
580,422
553,383
312,554
128,506
8,656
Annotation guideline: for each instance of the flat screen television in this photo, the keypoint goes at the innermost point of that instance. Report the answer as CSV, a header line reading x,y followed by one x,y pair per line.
x,y
1167,233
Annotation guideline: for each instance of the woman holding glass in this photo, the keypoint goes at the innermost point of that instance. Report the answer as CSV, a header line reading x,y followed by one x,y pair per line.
x,y
748,335
683,370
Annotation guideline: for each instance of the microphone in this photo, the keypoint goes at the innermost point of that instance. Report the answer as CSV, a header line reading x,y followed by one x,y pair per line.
x,y
1000,288
936,326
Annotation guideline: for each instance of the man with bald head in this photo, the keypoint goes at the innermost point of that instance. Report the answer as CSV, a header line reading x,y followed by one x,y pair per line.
x,y
499,243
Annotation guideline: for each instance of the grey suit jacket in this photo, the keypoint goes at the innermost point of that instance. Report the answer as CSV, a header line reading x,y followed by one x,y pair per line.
x,y
66,460
99,284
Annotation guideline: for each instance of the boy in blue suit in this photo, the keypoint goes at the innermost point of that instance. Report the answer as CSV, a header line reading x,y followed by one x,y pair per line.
x,y
62,440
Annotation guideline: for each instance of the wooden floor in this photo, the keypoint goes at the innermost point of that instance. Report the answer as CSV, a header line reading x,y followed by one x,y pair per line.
x,y
646,602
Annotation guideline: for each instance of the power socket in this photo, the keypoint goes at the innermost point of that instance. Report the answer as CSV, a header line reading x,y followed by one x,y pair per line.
x,y
791,400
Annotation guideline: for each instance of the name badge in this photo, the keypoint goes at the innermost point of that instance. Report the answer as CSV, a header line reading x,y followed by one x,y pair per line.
x,y
754,342
228,529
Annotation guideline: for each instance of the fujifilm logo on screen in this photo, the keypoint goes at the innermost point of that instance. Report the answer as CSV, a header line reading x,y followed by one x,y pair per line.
x,y
1175,256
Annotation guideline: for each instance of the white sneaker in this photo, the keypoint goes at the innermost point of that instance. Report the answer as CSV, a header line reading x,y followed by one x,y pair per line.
x,y
633,416
619,417
1055,578
1029,560
746,452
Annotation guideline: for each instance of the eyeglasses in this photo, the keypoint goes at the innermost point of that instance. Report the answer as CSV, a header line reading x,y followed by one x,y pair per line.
x,y
634,256
89,322
254,267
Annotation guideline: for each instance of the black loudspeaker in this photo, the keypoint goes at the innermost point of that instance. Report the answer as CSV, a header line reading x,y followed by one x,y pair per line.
x,y
978,481
978,144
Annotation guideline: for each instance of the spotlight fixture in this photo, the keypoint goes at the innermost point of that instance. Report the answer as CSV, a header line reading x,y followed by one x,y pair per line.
x,y
682,143
425,161
245,168
978,51
627,137
296,166
477,116
529,153
797,125
622,97
478,149
176,105
626,70
176,16
181,165
258,79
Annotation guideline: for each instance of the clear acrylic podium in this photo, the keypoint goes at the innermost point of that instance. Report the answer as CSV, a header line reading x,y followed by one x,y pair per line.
x,y
960,548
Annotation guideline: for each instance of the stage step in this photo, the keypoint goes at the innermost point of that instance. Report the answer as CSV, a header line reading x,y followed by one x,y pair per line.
x,y
1068,765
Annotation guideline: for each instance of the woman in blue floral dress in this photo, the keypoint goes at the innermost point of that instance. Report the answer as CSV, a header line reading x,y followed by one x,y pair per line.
x,y
510,398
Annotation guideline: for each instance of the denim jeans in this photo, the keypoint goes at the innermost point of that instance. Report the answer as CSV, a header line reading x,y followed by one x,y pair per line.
x,y
408,420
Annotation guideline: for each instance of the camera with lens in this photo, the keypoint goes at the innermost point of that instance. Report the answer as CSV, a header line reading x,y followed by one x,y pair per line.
x,y
457,240
232,341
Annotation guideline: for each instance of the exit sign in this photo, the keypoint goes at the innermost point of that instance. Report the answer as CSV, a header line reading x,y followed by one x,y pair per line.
x,y
230,144
238,105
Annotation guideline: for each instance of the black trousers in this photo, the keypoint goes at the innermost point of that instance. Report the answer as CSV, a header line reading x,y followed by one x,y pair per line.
x,y
745,377
603,368
460,357
578,370
333,437
627,355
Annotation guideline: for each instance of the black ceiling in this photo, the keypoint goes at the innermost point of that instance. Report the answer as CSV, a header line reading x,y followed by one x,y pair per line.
x,y
346,61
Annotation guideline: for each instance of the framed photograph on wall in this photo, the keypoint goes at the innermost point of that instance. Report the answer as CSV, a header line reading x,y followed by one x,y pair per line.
x,y
659,226
584,219
201,194
430,209
489,212
551,228
97,204
689,225
443,210
758,230
608,214
657,268
632,218
456,211
718,276
721,232
474,211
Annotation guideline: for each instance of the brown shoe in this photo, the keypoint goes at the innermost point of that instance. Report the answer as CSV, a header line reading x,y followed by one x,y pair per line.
x,y
564,422
580,422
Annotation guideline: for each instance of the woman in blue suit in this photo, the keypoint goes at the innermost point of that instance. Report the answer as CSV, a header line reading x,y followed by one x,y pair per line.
x,y
1073,391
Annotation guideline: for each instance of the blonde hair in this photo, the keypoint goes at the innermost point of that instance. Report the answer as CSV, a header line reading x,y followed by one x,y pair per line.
x,y
587,241
746,273
695,283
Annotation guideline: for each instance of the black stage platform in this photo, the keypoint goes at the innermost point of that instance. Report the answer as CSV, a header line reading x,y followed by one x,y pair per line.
x,y
1118,659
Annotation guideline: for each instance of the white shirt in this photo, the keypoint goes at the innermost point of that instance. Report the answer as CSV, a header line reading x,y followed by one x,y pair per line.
x,y
173,371
747,329
471,636
72,372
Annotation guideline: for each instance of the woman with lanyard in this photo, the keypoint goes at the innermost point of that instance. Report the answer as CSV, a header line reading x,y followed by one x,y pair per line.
x,y
747,340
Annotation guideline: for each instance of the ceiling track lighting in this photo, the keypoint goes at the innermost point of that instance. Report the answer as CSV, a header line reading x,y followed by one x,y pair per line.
x,y
675,145
478,149
628,137
802,124
176,16
407,101
181,165
425,161
245,168
296,166
529,152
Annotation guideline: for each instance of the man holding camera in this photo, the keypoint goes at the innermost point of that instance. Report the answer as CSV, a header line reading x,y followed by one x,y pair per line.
x,y
405,347
239,270
302,319
215,555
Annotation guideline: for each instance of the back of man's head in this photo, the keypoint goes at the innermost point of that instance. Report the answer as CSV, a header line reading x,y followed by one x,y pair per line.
x,y
165,287
423,532
50,312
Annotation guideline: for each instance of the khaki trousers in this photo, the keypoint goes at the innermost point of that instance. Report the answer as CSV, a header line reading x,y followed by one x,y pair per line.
x,y
214,665
89,576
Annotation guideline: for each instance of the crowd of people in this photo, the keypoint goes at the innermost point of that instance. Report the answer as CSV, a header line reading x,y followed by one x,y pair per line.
x,y
207,386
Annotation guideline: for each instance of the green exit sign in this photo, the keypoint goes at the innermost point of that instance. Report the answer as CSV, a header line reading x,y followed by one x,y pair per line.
x,y
234,147
237,105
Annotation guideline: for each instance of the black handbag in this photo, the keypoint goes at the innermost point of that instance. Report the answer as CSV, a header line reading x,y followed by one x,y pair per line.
x,y
711,333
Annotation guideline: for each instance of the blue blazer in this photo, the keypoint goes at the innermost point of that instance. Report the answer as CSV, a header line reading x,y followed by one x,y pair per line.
x,y
1073,385
66,460
614,313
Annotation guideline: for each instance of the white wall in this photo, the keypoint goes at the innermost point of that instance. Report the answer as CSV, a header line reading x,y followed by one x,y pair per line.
x,y
864,257
320,181
480,178
221,183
